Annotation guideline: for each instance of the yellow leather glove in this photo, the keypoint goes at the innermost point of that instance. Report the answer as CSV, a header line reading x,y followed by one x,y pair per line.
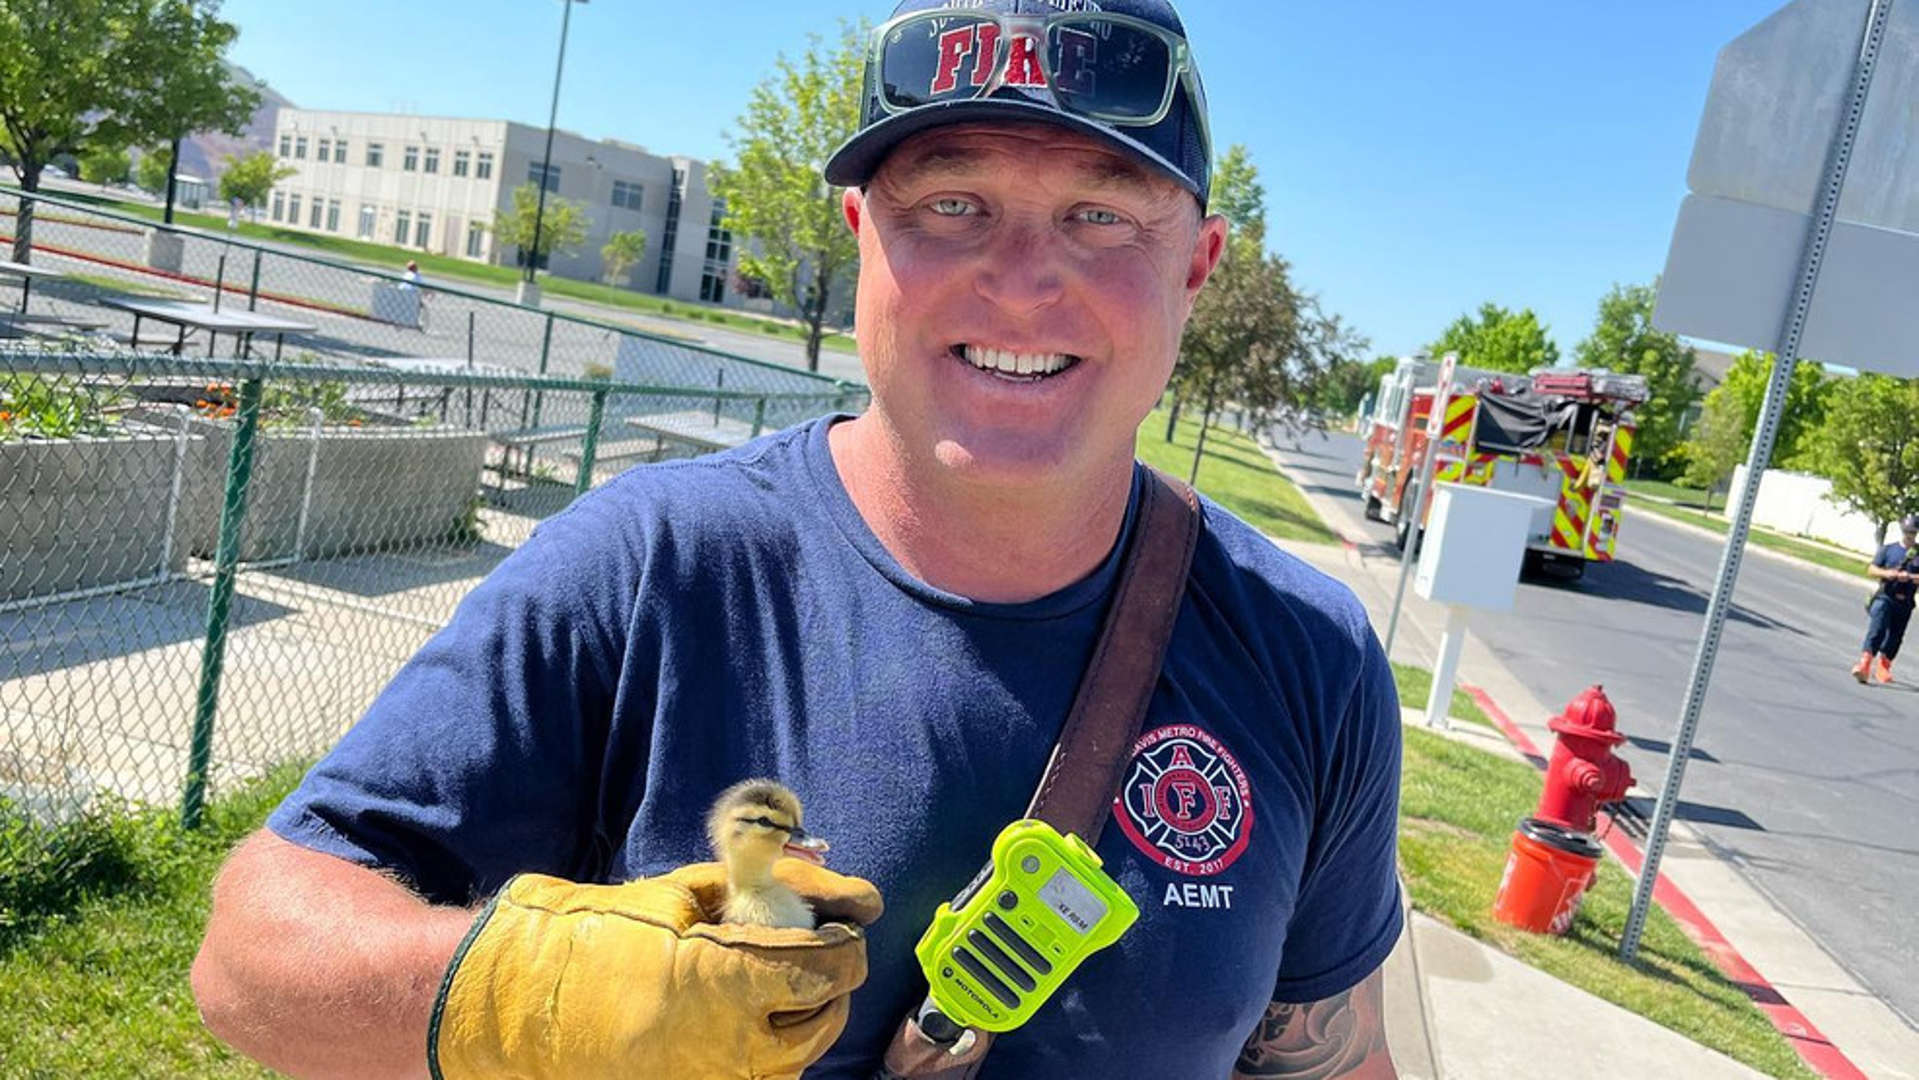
x,y
561,980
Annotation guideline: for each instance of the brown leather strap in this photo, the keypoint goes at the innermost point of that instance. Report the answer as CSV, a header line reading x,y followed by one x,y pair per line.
x,y
1081,779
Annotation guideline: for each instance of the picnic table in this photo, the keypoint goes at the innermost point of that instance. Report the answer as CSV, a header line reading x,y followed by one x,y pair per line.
x,y
698,427
243,325
18,322
26,274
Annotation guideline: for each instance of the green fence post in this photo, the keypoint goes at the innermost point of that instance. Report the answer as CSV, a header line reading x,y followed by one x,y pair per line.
x,y
253,290
591,445
759,418
220,602
546,352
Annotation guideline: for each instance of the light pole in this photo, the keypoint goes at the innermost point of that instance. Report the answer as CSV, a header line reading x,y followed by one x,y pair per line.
x,y
529,291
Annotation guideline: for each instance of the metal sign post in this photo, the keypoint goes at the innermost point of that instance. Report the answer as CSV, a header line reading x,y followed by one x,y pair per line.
x,y
1435,425
1838,158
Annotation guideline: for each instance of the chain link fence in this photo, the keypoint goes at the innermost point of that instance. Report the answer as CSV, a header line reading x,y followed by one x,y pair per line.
x,y
211,566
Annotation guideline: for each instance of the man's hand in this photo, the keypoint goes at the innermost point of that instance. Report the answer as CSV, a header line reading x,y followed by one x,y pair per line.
x,y
1342,1037
587,981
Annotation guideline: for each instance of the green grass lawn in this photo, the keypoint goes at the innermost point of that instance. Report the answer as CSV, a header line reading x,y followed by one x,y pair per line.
x,y
121,285
1458,808
456,271
1416,685
1236,474
1666,489
1854,565
93,967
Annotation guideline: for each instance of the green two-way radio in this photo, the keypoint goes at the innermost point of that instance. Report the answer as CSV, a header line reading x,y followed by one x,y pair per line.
x,y
1003,946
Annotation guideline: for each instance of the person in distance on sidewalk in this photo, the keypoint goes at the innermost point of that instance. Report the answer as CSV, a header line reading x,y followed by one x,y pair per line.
x,y
1897,569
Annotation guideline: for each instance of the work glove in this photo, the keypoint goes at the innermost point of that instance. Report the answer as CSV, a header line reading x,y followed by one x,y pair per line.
x,y
562,980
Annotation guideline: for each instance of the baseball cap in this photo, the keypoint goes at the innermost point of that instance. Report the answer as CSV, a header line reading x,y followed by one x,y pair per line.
x,y
1911,523
1120,72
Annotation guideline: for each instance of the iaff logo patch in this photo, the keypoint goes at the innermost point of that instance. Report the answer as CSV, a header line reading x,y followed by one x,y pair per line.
x,y
1186,803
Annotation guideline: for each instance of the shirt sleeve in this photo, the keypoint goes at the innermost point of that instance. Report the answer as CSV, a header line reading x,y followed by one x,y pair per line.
x,y
477,761
1348,913
1887,558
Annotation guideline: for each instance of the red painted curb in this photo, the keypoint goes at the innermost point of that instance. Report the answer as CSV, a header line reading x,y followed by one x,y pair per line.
x,y
1813,1048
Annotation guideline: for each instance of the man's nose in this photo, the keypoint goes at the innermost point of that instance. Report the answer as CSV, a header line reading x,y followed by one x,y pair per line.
x,y
1019,270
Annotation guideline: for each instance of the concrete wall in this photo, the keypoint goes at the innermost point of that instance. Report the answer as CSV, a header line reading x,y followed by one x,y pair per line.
x,y
1797,503
79,513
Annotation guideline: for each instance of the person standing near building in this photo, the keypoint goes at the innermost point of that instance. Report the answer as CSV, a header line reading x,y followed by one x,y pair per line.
x,y
1897,568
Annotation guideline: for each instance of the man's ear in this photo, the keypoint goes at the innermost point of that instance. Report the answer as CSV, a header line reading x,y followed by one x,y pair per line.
x,y
1208,245
853,204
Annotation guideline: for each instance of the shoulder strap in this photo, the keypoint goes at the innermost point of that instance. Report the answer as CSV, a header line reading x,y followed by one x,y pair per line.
x,y
1076,791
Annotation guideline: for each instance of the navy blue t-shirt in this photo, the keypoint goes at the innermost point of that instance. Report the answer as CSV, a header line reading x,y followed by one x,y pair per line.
x,y
1895,557
692,624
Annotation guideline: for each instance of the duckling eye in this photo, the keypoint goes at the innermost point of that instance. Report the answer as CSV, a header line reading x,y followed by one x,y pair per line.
x,y
764,823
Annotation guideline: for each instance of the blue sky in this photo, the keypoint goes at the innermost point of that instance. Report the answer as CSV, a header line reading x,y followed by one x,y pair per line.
x,y
1419,158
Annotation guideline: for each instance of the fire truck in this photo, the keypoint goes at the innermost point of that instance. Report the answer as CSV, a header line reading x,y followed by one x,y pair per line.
x,y
1562,435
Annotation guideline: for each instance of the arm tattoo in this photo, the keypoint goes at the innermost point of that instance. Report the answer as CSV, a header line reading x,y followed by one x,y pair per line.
x,y
1322,1040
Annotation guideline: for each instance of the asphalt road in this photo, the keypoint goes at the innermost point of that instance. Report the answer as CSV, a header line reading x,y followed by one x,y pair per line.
x,y
1805,780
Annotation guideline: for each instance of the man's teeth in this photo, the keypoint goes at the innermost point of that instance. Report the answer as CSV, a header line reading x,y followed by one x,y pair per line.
x,y
1011,363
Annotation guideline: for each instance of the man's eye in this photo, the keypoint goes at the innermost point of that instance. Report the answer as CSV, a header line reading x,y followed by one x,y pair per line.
x,y
951,207
1097,216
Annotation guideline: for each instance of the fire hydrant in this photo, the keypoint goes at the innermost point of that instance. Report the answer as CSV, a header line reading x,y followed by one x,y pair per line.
x,y
1584,772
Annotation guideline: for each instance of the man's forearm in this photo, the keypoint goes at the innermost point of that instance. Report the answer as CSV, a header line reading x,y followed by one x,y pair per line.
x,y
320,968
1342,1037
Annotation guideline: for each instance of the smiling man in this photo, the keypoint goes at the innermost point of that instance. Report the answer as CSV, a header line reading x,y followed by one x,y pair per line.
x,y
889,613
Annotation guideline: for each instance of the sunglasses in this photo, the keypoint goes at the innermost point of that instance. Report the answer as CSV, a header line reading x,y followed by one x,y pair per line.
x,y
1116,69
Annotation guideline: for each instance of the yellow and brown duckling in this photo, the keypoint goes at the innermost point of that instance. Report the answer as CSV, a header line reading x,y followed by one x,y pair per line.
x,y
752,825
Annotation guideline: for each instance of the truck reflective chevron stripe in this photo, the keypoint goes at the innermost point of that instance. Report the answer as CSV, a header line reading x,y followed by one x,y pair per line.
x,y
1622,441
1459,418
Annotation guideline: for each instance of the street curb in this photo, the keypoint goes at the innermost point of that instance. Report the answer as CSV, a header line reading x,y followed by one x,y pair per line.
x,y
1817,1051
1752,548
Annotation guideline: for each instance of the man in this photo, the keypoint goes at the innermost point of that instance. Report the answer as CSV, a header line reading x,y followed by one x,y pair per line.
x,y
1897,569
889,613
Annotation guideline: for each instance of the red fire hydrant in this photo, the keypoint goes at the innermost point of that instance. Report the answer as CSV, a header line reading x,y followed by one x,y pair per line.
x,y
1584,771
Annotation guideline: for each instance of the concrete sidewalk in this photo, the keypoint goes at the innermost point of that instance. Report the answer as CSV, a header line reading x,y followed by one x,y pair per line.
x,y
1865,1029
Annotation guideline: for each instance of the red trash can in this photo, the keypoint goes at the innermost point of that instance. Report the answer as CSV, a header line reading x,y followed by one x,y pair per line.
x,y
1547,873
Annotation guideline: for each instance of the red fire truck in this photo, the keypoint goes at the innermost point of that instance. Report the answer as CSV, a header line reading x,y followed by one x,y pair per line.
x,y
1562,435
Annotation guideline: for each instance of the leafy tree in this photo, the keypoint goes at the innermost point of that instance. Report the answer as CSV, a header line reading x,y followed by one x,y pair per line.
x,y
250,178
1238,196
1623,339
1719,443
562,232
796,240
621,253
107,165
1806,398
1498,340
79,75
153,168
1868,446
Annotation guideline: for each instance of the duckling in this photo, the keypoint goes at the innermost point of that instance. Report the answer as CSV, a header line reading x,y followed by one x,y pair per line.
x,y
753,824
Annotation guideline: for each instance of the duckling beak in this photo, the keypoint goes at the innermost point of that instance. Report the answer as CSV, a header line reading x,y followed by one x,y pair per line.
x,y
802,845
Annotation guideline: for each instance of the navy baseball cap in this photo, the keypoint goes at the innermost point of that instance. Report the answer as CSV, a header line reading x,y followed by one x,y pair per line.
x,y
1911,524
1121,73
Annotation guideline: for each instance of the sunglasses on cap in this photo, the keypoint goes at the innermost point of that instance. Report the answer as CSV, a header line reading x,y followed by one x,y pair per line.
x,y
1112,68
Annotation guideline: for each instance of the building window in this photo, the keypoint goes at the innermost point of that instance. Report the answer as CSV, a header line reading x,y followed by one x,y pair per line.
x,y
475,234
664,282
286,146
410,161
551,174
368,216
483,168
432,159
279,206
626,195
423,231
339,152
319,212
402,221
300,147
461,159
293,209
333,215
325,150
713,286
374,151
719,241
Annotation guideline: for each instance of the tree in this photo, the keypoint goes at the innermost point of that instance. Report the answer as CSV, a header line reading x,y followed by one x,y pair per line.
x,y
1718,444
1498,340
152,170
81,75
1623,339
1868,446
1238,196
563,231
250,178
106,165
786,214
1806,398
622,252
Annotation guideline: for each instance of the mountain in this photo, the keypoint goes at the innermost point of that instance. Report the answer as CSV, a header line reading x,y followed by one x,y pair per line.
x,y
204,155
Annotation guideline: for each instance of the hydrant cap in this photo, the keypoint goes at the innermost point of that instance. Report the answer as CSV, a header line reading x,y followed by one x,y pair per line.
x,y
1589,715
